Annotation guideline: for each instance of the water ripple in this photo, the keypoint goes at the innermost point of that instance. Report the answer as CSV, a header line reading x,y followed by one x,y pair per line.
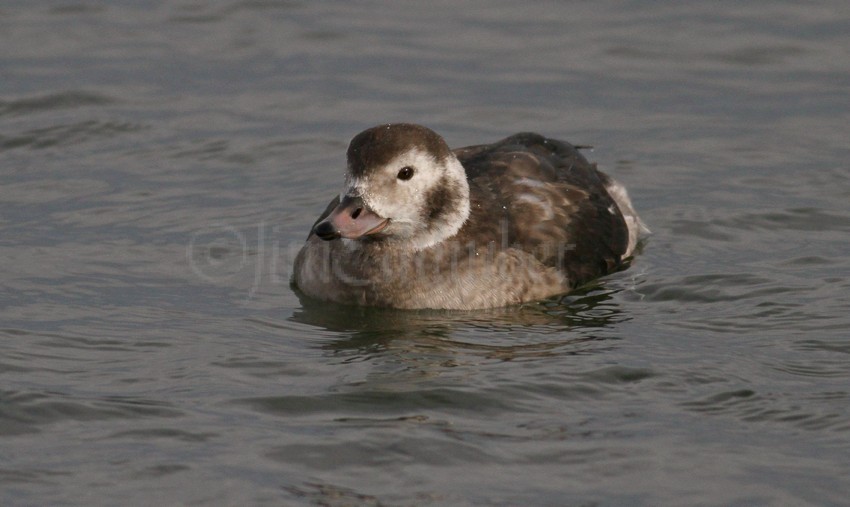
x,y
30,476
751,406
25,411
713,288
67,135
376,401
53,101
163,433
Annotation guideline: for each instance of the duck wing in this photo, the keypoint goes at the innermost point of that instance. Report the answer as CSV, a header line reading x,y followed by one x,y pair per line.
x,y
543,196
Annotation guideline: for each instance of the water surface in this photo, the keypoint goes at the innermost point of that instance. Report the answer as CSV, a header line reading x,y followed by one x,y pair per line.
x,y
160,164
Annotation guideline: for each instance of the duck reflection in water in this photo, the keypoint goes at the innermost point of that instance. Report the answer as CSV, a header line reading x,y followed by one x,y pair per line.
x,y
578,323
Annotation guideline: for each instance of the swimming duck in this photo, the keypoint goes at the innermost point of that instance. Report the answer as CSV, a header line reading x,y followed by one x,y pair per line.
x,y
419,225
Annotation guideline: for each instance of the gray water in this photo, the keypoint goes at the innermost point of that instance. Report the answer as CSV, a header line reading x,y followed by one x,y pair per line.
x,y
160,164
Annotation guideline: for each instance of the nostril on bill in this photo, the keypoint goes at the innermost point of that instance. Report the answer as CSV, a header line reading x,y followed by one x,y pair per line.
x,y
356,213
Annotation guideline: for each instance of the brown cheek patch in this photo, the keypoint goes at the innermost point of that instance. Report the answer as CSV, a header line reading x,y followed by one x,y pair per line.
x,y
440,199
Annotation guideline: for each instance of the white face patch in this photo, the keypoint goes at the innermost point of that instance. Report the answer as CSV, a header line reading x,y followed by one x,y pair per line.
x,y
398,199
405,202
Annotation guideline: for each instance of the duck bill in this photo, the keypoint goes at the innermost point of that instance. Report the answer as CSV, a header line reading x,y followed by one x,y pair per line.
x,y
351,219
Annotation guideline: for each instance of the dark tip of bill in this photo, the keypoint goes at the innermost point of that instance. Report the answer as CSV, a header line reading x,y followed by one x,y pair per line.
x,y
326,231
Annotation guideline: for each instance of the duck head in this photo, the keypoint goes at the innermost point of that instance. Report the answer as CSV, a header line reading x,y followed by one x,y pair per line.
x,y
402,184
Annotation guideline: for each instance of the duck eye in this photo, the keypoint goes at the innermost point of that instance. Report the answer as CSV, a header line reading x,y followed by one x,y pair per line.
x,y
405,173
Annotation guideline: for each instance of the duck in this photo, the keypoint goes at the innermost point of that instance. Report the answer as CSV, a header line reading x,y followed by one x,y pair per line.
x,y
419,225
